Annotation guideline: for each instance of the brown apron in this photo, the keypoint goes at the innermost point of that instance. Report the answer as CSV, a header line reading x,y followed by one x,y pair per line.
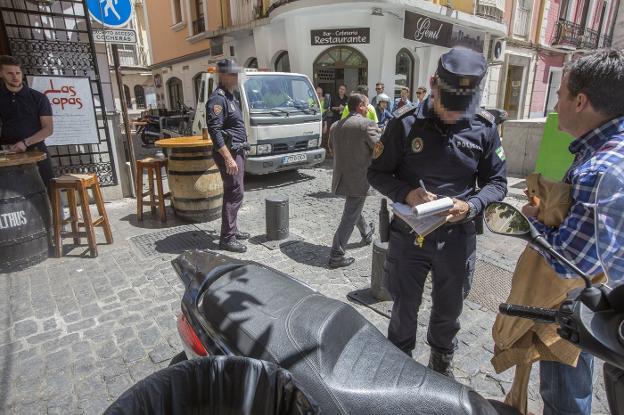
x,y
520,342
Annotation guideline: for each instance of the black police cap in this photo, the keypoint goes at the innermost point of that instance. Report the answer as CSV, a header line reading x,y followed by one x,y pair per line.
x,y
459,74
228,66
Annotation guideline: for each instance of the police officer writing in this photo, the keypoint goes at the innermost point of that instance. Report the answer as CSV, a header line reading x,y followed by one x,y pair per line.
x,y
229,142
25,114
448,147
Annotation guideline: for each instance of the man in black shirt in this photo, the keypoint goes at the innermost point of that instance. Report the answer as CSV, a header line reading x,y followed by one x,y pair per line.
x,y
25,115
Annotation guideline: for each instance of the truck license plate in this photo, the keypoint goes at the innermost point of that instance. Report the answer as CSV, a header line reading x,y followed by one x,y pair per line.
x,y
295,158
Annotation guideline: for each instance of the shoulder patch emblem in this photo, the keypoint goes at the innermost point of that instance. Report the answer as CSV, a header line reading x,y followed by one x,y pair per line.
x,y
404,110
417,145
378,150
217,109
501,153
487,116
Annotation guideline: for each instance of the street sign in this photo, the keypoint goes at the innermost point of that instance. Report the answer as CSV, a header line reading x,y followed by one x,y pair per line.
x,y
111,13
118,36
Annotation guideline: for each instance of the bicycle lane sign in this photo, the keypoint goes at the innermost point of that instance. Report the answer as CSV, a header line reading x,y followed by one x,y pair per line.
x,y
111,13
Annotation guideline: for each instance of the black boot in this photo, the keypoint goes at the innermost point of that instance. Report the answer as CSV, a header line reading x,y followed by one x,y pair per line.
x,y
442,363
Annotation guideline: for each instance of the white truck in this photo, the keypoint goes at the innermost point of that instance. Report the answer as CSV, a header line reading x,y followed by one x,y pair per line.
x,y
282,118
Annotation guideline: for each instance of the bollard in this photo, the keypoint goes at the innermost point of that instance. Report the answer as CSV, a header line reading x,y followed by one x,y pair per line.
x,y
378,276
277,217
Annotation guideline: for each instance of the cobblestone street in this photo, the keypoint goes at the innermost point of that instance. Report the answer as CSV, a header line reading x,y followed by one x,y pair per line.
x,y
76,332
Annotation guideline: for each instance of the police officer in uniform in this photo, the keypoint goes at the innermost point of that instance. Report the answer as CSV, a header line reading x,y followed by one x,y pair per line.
x,y
227,131
452,149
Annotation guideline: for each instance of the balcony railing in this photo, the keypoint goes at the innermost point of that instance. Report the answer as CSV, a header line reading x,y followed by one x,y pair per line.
x,y
199,26
489,12
570,35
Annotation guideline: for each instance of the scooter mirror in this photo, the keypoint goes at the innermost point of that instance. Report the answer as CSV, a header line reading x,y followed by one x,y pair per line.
x,y
505,219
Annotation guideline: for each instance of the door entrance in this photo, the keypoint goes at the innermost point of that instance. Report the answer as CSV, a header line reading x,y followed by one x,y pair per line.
x,y
513,91
340,65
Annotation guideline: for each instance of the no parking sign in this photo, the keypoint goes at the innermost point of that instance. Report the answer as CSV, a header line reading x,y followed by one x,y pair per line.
x,y
111,13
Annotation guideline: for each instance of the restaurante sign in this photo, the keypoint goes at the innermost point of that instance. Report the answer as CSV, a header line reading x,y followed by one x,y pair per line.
x,y
436,32
340,36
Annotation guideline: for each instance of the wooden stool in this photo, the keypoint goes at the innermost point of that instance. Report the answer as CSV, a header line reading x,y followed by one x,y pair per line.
x,y
154,168
80,183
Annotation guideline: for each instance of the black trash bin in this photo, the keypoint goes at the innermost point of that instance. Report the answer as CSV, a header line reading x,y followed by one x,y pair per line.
x,y
216,386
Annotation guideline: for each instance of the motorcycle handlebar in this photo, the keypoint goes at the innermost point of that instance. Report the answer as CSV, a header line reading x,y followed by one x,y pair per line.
x,y
543,315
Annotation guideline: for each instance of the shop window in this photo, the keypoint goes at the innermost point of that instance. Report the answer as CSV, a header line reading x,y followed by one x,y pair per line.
x,y
127,96
340,65
282,63
404,72
554,83
139,96
198,88
176,95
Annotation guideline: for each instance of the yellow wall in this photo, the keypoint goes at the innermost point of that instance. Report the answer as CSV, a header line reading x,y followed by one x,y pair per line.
x,y
466,6
168,44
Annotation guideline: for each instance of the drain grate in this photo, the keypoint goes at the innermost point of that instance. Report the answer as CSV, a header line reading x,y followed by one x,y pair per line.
x,y
490,286
173,241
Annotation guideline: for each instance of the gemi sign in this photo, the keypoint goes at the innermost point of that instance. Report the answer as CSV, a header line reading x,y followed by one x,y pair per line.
x,y
436,32
352,36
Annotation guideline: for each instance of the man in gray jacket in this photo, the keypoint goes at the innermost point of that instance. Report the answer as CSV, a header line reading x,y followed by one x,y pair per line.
x,y
352,141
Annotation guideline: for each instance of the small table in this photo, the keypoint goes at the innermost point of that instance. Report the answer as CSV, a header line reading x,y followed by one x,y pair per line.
x,y
194,178
24,211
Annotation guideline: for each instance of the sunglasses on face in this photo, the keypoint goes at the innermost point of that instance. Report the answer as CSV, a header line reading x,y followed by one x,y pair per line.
x,y
419,92
378,88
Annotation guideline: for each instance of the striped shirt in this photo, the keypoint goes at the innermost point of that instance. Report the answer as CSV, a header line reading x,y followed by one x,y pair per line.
x,y
575,238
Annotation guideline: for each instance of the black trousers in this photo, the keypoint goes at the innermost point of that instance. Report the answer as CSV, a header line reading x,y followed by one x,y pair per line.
x,y
449,253
233,192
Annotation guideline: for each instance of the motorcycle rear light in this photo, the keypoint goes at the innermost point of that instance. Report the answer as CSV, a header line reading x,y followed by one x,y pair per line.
x,y
189,338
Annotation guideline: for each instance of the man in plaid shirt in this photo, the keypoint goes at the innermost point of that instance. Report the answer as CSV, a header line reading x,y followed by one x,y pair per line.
x,y
591,109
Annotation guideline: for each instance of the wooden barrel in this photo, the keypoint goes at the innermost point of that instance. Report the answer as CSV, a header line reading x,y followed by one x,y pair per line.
x,y
24,217
195,184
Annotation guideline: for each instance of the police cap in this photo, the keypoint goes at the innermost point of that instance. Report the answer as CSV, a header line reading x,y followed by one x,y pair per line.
x,y
228,66
459,74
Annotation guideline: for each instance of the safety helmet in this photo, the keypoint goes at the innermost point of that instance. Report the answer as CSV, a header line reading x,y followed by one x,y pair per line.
x,y
383,97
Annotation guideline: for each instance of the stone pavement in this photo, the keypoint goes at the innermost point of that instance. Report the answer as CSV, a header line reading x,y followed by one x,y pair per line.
x,y
76,332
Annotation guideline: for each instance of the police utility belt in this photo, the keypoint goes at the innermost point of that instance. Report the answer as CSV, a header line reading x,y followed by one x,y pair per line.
x,y
402,226
227,138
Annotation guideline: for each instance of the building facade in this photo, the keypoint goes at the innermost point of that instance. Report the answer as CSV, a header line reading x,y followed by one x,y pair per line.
x,y
618,30
333,43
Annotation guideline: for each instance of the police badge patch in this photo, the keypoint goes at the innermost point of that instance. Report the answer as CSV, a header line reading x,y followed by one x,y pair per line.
x,y
378,150
217,109
417,145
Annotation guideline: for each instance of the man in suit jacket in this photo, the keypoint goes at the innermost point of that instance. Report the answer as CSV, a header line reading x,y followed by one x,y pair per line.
x,y
352,141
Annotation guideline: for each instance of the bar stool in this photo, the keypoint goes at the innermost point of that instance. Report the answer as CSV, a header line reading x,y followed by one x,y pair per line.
x,y
154,167
80,183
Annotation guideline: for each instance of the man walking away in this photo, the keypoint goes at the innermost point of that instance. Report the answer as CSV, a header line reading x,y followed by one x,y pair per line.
x,y
352,140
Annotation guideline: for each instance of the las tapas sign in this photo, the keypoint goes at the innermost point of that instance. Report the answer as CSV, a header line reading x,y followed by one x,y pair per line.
x,y
73,113
118,36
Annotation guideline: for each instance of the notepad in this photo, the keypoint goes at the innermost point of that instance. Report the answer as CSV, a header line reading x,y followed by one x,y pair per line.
x,y
424,218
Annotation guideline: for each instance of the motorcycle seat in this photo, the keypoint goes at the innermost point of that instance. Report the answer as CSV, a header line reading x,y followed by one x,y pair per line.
x,y
336,355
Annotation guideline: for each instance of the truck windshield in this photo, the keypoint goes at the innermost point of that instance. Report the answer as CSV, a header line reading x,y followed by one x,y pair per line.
x,y
280,93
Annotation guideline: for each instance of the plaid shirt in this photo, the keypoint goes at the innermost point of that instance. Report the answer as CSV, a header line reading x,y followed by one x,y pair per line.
x,y
575,238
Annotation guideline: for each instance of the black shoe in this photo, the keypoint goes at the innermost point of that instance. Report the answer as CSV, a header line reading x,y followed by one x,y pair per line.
x,y
442,363
233,246
242,235
339,262
368,238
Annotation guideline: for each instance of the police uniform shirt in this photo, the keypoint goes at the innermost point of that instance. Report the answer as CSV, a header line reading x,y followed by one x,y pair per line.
x,y
20,112
448,158
223,115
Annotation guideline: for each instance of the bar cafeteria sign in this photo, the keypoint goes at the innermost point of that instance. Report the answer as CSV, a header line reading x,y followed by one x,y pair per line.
x,y
340,36
436,32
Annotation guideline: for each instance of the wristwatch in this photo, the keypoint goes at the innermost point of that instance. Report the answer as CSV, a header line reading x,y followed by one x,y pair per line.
x,y
472,211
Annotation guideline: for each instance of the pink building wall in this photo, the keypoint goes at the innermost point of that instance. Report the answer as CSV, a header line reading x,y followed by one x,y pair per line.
x,y
545,61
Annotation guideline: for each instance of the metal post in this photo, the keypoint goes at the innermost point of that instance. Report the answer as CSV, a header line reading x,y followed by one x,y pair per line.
x,y
378,276
124,109
277,217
